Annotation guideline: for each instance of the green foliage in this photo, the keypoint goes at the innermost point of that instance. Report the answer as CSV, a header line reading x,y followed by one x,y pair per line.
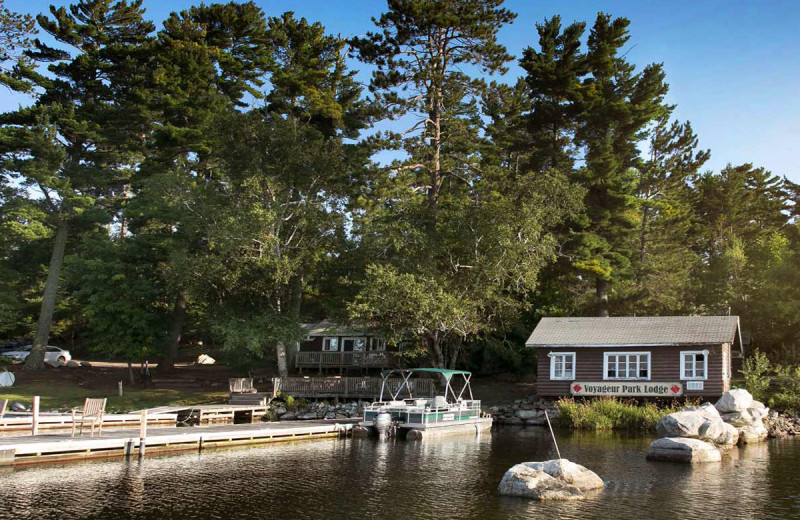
x,y
756,370
787,397
610,413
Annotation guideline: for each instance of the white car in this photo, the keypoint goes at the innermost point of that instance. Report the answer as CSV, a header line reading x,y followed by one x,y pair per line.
x,y
53,355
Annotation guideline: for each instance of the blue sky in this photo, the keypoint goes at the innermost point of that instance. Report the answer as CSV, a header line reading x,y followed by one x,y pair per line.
x,y
733,66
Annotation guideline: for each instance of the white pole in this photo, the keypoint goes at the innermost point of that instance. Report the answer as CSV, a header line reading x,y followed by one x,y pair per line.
x,y
35,418
546,416
143,434
120,388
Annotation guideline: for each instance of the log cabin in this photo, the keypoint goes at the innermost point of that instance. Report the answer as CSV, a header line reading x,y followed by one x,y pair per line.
x,y
665,356
329,345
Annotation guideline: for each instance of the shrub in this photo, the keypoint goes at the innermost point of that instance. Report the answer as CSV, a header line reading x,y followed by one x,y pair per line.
x,y
610,413
756,380
787,397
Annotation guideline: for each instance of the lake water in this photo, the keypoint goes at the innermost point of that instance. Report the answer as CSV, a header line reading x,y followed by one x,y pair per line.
x,y
438,479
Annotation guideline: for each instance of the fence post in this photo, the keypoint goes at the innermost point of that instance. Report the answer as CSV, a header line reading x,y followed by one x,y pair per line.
x,y
143,434
35,418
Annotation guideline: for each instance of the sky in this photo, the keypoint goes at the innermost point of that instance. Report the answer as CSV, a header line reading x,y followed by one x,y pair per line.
x,y
733,66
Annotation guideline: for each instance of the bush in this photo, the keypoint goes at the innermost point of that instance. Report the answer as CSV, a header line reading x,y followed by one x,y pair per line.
x,y
610,413
756,380
787,398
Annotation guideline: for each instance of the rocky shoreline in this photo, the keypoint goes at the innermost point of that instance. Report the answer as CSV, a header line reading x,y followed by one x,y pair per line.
x,y
524,412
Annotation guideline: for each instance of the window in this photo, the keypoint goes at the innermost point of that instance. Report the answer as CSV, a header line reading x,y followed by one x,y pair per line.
x,y
330,344
626,365
354,344
562,365
694,365
377,344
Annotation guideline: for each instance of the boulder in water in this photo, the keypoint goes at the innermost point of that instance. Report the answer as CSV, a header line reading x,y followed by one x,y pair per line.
x,y
677,449
752,434
736,400
550,480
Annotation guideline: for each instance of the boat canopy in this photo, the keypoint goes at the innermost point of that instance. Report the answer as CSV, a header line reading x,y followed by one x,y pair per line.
x,y
446,372
406,374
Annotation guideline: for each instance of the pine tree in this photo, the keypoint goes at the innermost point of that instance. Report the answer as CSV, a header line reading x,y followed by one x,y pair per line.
x,y
61,148
617,105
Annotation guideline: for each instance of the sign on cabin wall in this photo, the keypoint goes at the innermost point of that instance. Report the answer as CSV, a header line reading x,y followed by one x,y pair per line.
x,y
628,388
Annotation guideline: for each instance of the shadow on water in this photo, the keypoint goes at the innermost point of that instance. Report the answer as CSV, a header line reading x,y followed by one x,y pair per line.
x,y
438,479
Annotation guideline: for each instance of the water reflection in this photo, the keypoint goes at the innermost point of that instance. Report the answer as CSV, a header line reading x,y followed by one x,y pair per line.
x,y
437,478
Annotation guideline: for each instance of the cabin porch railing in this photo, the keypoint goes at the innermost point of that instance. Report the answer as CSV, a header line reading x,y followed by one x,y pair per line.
x,y
363,359
347,387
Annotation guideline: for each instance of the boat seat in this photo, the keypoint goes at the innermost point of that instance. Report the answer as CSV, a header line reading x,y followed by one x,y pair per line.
x,y
439,401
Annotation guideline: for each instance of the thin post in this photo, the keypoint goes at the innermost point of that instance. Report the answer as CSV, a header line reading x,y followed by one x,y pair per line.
x,y
143,434
120,388
546,416
35,418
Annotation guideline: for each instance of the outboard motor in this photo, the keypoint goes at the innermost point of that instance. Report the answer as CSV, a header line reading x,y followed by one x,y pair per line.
x,y
382,423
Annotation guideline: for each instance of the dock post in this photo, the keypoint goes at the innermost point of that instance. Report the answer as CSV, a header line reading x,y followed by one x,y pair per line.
x,y
143,434
200,444
120,388
35,418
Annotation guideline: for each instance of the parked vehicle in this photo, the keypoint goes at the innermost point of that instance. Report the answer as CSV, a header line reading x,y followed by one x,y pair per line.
x,y
53,355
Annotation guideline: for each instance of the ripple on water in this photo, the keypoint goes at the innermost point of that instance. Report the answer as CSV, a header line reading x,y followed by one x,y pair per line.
x,y
434,479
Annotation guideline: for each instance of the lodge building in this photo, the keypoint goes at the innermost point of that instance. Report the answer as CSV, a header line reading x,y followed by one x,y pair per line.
x,y
666,356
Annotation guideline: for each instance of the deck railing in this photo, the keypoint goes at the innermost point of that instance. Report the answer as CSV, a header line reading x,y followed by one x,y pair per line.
x,y
364,359
347,387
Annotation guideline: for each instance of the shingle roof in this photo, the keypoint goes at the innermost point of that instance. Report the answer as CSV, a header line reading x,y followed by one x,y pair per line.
x,y
327,328
644,331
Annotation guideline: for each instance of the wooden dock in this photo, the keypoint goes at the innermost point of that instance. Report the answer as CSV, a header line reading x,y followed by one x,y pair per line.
x,y
34,449
214,413
14,423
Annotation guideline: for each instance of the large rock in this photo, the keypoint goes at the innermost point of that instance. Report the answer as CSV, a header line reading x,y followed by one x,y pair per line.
x,y
729,436
752,434
571,473
551,480
738,419
676,449
736,400
527,414
697,422
757,410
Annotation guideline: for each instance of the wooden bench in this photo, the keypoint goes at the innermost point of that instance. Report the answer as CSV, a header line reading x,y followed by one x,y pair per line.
x,y
92,412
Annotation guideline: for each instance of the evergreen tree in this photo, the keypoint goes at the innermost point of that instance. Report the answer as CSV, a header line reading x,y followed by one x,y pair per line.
x,y
60,147
617,107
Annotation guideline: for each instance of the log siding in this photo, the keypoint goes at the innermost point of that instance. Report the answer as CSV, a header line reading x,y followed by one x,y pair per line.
x,y
665,366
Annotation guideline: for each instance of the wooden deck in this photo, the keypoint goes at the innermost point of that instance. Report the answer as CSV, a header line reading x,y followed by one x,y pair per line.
x,y
61,447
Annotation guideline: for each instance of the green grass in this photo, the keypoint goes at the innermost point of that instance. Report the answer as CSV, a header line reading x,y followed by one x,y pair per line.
x,y
609,413
63,396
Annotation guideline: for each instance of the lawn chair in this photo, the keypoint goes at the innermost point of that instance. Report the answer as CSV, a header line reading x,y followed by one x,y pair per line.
x,y
92,413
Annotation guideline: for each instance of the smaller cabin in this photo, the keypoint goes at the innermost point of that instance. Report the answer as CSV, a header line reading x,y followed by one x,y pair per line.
x,y
665,356
329,345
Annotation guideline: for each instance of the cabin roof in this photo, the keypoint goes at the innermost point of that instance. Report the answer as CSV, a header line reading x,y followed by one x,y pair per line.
x,y
639,331
327,328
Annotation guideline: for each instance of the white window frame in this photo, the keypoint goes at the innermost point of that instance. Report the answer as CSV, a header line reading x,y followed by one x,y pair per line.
x,y
553,356
354,339
606,355
330,344
705,365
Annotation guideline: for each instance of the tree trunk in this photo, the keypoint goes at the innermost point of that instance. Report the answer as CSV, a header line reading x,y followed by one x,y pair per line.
x,y
601,285
436,349
167,363
35,360
131,377
283,366
643,234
